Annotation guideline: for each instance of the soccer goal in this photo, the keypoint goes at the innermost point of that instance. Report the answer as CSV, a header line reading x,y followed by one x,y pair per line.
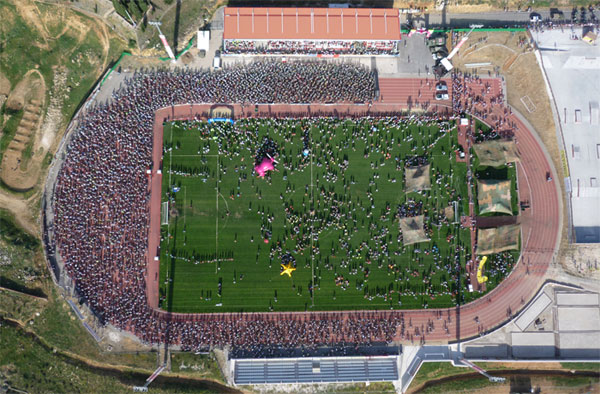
x,y
164,213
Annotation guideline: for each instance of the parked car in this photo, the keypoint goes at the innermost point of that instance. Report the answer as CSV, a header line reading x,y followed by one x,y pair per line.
x,y
441,87
535,17
441,96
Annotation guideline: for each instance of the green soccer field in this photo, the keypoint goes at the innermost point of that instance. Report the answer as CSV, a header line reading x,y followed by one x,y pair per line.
x,y
333,212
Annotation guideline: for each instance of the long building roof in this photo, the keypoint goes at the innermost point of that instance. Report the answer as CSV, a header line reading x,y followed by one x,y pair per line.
x,y
311,24
316,370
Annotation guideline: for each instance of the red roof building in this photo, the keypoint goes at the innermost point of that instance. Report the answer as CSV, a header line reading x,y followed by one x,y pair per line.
x,y
261,25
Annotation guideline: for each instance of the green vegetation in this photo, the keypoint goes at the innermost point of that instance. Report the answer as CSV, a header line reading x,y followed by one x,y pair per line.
x,y
356,249
57,318
20,257
581,366
19,306
14,235
131,9
82,72
27,45
27,365
26,154
47,160
538,379
462,385
429,371
573,381
10,128
204,365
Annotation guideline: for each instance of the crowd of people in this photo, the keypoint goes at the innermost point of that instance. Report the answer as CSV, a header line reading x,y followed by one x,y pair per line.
x,y
101,203
376,141
311,47
257,82
473,95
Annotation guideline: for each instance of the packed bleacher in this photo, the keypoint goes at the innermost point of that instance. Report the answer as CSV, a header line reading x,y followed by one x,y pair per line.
x,y
101,212
311,47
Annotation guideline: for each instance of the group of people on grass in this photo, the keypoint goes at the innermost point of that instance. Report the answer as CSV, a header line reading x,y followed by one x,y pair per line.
x,y
340,202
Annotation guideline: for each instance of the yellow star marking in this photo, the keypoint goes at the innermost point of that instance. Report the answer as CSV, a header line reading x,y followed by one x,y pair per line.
x,y
287,269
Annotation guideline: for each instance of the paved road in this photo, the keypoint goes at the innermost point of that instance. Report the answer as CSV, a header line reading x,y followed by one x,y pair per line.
x,y
491,19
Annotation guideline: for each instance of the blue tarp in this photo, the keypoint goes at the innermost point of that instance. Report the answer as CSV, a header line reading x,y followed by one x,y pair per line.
x,y
212,120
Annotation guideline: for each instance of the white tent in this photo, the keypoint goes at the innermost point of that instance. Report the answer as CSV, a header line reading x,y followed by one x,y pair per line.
x,y
203,39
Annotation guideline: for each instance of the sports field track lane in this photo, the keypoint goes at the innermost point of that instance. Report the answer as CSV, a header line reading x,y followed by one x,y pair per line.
x,y
539,224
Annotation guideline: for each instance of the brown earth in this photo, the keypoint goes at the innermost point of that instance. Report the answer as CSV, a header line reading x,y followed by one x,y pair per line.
x,y
62,17
4,85
58,19
30,95
31,87
19,208
29,12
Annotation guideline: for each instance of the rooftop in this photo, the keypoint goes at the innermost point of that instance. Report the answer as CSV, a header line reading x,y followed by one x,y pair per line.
x,y
311,24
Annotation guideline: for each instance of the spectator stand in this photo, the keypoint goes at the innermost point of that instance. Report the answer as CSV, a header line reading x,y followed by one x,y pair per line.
x,y
311,31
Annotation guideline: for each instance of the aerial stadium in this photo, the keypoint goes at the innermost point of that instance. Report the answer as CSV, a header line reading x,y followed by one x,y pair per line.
x,y
226,207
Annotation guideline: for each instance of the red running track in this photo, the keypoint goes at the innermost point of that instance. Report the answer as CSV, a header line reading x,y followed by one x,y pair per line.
x,y
539,224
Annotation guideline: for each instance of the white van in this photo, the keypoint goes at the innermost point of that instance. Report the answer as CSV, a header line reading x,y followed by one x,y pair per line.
x,y
217,63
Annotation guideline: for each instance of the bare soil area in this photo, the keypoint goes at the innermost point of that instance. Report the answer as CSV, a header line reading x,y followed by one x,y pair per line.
x,y
27,89
43,121
4,85
17,171
20,209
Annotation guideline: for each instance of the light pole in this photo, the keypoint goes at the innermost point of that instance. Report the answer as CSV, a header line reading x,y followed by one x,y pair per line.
x,y
163,39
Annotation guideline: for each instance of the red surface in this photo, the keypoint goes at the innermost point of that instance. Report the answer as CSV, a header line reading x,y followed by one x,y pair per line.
x,y
539,224
311,24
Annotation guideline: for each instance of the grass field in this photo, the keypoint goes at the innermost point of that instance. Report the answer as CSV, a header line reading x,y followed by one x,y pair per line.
x,y
334,212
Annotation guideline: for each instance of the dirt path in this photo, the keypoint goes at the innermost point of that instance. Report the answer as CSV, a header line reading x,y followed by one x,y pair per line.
x,y
19,208
13,174
43,137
